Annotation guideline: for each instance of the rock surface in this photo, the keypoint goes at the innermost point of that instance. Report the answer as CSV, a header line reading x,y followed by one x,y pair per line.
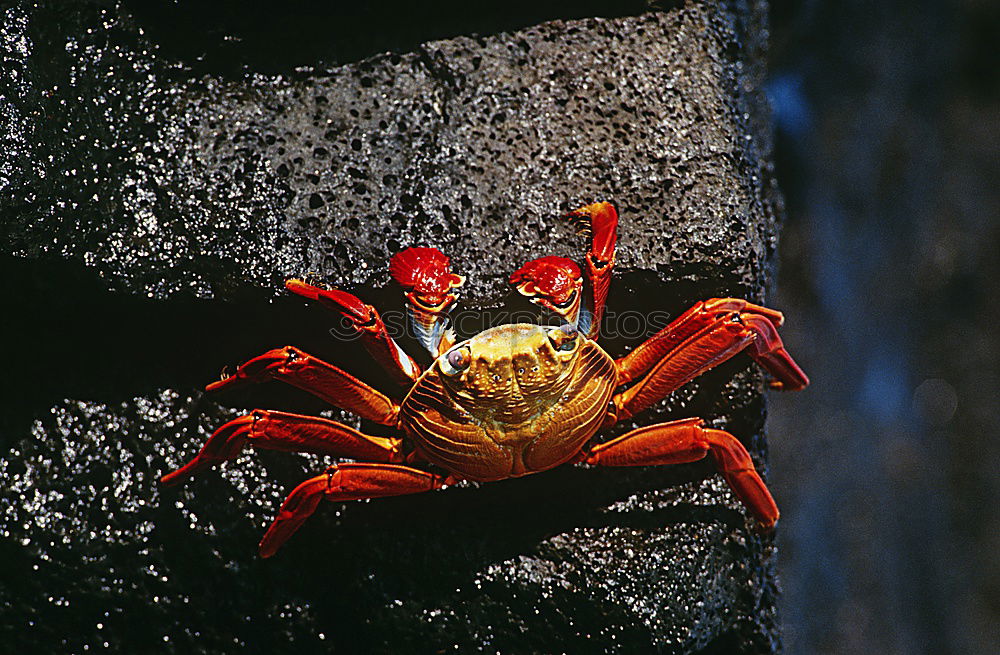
x,y
151,211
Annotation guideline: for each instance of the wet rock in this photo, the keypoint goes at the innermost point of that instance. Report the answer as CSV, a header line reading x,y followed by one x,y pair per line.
x,y
163,182
163,206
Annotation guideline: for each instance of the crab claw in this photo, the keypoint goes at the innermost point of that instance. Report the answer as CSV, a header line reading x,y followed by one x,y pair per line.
x,y
601,220
552,282
426,277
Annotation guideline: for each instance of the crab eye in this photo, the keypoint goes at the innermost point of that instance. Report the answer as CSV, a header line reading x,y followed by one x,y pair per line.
x,y
564,337
456,361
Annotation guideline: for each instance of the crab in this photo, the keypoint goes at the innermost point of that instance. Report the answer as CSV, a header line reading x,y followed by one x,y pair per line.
x,y
510,401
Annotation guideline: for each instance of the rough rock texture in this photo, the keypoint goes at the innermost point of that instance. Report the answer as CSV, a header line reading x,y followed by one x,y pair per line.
x,y
151,211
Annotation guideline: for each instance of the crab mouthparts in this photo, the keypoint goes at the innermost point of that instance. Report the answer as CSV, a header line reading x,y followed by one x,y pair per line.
x,y
430,321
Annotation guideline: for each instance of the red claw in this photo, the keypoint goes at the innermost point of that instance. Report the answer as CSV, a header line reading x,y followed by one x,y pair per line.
x,y
425,274
601,220
603,225
556,278
426,277
553,282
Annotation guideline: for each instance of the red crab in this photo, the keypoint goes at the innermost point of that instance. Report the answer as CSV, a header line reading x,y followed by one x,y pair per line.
x,y
512,400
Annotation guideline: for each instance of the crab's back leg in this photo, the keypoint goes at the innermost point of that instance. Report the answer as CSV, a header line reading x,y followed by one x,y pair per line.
x,y
430,289
556,283
706,335
367,323
679,442
273,430
312,374
344,482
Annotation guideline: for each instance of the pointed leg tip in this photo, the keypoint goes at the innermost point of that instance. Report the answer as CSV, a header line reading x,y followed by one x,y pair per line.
x,y
301,288
280,531
270,542
797,384
173,478
183,473
765,514
767,526
216,386
592,208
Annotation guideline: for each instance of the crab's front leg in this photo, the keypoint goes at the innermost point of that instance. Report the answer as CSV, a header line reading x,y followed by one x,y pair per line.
x,y
426,277
345,482
703,337
556,283
367,323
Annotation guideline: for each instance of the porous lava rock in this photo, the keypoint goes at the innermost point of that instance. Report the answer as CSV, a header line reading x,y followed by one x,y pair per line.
x,y
152,209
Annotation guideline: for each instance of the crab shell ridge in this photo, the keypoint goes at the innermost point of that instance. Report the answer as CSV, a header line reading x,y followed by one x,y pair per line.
x,y
527,399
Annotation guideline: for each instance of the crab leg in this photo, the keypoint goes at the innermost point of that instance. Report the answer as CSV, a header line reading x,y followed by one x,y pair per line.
x,y
687,440
310,374
426,277
344,482
556,283
368,324
703,337
290,433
